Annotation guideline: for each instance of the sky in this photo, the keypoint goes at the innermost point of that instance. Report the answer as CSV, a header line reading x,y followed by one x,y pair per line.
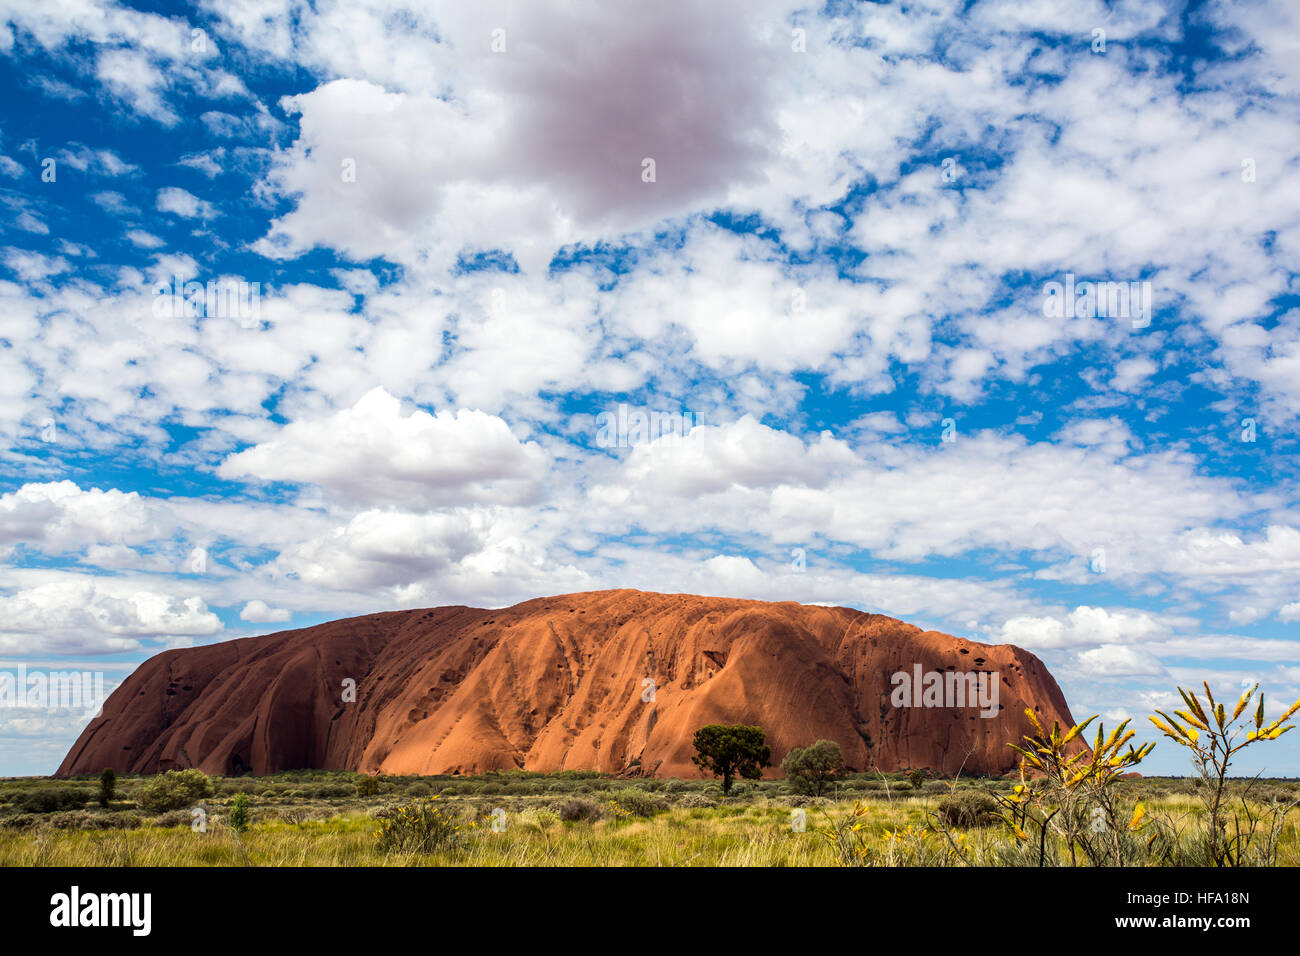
x,y
982,315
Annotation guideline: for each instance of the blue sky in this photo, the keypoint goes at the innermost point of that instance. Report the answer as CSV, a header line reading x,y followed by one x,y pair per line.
x,y
824,234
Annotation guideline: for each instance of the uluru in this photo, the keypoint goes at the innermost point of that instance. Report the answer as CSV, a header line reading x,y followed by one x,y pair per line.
x,y
615,681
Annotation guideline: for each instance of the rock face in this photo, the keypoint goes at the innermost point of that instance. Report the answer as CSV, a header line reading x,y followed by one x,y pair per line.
x,y
616,681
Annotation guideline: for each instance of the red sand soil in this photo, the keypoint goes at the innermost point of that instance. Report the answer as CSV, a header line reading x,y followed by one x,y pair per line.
x,y
558,683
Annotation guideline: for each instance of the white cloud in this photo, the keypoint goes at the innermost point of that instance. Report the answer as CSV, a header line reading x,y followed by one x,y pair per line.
x,y
60,516
184,204
259,612
371,453
1116,660
96,616
1083,626
145,240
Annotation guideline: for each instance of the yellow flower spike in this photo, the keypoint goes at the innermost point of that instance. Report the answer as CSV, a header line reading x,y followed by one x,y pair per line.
x,y
1077,729
1194,704
1245,699
1162,727
1138,813
1033,719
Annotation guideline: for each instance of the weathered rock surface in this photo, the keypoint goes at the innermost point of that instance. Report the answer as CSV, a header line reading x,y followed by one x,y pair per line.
x,y
562,683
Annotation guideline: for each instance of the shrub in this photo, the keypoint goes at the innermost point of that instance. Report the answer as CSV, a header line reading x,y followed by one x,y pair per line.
x,y
86,820
51,799
107,786
367,786
174,790
812,769
20,821
695,801
332,791
968,808
239,814
803,800
639,803
539,817
174,818
579,810
1213,738
418,827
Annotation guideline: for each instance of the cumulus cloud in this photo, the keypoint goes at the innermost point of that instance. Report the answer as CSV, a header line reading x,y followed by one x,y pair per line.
x,y
1083,626
60,516
372,453
259,612
1118,660
184,204
504,151
85,616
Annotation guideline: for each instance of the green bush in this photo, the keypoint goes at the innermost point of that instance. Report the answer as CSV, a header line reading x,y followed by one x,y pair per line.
x,y
174,818
811,770
51,799
174,790
968,808
579,810
239,814
20,821
639,803
107,786
331,791
695,801
87,820
418,827
803,800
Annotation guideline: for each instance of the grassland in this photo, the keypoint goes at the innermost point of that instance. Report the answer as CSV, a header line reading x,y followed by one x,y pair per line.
x,y
332,818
